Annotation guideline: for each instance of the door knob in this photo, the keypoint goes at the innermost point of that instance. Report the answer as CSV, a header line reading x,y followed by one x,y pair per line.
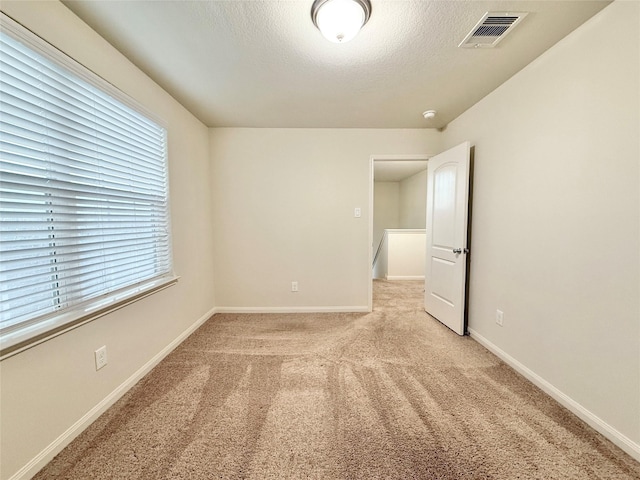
x,y
457,250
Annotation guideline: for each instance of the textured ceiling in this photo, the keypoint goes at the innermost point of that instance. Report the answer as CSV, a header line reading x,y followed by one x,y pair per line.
x,y
262,63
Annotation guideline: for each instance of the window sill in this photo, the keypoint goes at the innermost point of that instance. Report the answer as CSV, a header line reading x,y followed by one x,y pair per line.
x,y
27,337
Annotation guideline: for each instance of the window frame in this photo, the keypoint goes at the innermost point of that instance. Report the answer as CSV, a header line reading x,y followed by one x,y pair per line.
x,y
45,327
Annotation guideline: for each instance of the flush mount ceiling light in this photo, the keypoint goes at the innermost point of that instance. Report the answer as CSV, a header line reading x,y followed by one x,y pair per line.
x,y
340,20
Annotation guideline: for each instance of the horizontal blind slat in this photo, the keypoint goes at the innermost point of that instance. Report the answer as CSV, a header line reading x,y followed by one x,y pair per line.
x,y
61,278
86,259
70,190
26,116
81,151
21,103
73,181
103,248
71,91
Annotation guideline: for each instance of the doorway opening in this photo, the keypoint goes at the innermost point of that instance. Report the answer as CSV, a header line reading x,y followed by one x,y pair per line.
x,y
390,173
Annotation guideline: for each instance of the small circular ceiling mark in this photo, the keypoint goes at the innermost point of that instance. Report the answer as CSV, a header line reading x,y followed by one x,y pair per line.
x,y
429,114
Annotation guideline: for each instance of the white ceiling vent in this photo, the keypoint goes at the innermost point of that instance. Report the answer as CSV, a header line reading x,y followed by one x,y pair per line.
x,y
492,28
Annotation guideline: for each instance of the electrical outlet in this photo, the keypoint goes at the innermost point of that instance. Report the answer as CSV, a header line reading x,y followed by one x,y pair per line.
x,y
294,286
499,317
101,357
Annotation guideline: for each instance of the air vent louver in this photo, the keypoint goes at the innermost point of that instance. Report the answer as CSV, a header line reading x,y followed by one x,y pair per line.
x,y
492,28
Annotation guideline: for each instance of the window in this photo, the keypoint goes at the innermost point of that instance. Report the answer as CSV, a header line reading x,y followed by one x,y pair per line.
x,y
83,192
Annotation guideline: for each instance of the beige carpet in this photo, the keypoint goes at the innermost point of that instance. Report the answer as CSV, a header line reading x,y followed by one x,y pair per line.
x,y
387,395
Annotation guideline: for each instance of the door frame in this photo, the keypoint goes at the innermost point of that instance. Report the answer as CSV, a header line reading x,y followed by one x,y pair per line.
x,y
422,157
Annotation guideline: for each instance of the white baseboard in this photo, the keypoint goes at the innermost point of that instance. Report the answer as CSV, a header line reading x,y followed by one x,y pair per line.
x,y
55,447
405,277
595,422
356,309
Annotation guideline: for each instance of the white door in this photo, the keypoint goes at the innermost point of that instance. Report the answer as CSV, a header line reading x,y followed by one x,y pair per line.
x,y
447,213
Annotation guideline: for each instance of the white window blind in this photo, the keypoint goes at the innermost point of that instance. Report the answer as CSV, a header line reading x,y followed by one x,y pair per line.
x,y
83,191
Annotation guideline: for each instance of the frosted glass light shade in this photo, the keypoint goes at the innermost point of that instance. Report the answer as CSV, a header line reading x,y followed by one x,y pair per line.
x,y
340,20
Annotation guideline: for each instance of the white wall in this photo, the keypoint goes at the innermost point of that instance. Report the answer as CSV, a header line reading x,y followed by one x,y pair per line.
x,y
399,205
413,201
556,218
406,254
386,209
47,389
283,204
